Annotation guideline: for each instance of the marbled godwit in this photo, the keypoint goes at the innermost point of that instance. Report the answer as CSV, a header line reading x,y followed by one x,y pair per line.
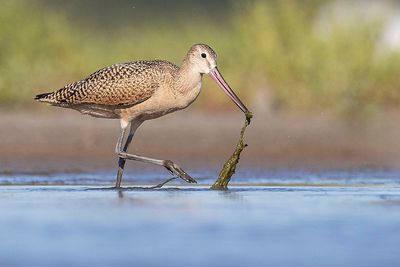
x,y
142,90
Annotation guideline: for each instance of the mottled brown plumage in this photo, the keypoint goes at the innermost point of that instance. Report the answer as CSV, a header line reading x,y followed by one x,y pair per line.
x,y
116,86
138,91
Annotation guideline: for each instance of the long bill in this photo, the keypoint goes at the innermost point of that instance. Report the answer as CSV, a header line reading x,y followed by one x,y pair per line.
x,y
217,77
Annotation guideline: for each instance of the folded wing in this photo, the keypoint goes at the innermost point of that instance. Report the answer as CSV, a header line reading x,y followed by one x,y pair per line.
x,y
117,85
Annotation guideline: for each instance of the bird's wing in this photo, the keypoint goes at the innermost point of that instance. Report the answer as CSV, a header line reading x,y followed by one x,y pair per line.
x,y
117,85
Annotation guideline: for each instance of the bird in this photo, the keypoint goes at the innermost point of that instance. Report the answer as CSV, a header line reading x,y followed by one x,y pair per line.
x,y
142,90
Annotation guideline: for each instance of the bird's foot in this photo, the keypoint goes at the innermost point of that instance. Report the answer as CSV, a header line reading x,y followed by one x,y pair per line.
x,y
175,169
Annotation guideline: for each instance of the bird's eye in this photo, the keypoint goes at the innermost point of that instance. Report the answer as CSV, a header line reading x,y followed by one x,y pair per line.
x,y
203,55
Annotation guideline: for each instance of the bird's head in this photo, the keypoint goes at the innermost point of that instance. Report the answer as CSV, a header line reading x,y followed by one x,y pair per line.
x,y
203,59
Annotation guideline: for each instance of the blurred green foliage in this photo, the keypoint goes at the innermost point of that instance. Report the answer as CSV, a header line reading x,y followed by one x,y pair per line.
x,y
279,46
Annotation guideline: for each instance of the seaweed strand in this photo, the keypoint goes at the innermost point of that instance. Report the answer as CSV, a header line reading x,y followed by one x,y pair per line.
x,y
229,167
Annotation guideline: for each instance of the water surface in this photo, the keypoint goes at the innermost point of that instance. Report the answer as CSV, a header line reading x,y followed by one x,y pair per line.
x,y
353,224
206,176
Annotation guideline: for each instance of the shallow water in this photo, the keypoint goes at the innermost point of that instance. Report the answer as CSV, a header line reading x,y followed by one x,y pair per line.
x,y
287,225
242,176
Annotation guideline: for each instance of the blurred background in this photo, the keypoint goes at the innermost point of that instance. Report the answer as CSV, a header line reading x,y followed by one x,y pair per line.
x,y
321,76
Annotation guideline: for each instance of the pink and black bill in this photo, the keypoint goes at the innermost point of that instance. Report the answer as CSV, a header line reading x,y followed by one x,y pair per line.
x,y
216,75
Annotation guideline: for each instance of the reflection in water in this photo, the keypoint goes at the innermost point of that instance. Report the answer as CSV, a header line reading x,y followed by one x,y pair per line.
x,y
230,195
194,226
132,199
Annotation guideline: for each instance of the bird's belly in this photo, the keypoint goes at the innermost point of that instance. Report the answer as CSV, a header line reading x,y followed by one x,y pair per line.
x,y
161,103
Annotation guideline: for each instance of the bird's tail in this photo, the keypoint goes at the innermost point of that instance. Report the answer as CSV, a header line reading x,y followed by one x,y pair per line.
x,y
45,97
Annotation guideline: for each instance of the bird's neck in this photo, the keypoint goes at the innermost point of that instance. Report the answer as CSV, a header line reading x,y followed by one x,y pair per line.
x,y
187,78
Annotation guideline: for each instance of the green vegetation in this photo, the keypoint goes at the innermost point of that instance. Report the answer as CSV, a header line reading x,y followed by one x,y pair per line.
x,y
274,45
229,168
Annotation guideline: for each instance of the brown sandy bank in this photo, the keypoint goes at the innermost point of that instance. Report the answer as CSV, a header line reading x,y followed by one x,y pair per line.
x,y
61,140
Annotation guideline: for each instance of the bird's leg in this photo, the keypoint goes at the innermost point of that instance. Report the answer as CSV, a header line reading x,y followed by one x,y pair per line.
x,y
169,165
121,161
121,151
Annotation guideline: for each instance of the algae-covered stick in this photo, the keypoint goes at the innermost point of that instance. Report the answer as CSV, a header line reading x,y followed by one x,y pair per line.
x,y
229,168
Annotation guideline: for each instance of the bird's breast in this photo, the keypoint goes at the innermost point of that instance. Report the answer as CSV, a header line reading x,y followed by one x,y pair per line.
x,y
187,97
165,100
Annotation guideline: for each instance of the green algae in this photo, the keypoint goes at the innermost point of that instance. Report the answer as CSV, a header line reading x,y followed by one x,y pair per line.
x,y
229,167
